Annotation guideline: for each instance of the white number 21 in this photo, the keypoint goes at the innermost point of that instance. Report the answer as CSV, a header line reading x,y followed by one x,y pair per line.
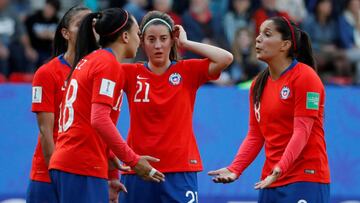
x,y
139,89
193,196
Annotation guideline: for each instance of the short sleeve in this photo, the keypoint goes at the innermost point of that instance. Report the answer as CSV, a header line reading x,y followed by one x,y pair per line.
x,y
43,91
106,78
199,70
309,94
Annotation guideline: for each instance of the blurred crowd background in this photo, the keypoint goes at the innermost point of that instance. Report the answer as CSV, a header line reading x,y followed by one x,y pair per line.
x,y
28,26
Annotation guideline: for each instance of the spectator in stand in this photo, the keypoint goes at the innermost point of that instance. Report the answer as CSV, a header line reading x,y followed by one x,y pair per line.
x,y
16,53
295,8
41,27
136,8
266,10
165,6
237,17
323,32
349,28
199,25
245,65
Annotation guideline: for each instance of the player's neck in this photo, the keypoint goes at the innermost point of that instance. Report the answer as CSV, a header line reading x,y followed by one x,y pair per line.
x,y
118,50
69,56
159,69
277,67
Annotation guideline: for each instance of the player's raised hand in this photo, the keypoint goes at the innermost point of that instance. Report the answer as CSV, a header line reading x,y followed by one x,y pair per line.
x,y
146,171
223,175
269,179
180,36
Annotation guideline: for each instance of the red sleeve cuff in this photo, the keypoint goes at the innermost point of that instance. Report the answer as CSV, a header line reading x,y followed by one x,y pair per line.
x,y
113,174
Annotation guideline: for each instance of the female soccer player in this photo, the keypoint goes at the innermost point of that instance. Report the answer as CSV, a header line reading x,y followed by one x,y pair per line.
x,y
47,92
90,109
161,95
286,114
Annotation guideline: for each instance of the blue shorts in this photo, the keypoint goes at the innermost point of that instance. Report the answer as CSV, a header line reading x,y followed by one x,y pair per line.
x,y
70,187
178,187
40,192
299,192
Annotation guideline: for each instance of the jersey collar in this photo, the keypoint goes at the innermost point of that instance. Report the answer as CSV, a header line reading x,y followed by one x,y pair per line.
x,y
146,64
109,50
291,66
63,61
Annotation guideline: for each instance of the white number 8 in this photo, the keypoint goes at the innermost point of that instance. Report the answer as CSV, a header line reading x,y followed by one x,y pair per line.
x,y
69,106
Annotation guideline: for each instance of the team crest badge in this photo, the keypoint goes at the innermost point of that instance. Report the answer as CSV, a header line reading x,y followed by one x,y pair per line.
x,y
175,79
285,92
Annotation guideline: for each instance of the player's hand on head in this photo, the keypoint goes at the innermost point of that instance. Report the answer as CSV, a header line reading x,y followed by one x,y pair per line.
x,y
223,175
180,36
146,171
114,188
269,179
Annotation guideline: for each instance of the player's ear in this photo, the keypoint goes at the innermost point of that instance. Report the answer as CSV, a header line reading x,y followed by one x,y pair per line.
x,y
125,37
65,33
285,45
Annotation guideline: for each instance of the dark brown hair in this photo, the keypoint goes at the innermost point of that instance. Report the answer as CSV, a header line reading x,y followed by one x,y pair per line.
x,y
303,52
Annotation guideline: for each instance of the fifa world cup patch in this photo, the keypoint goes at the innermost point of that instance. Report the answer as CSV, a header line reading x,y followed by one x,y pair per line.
x,y
175,79
36,94
312,100
107,87
285,92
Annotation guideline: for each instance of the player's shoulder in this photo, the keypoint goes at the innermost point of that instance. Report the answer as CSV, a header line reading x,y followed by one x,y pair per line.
x,y
304,71
101,56
48,68
133,65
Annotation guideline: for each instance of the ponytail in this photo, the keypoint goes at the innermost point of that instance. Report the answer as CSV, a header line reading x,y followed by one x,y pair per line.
x,y
304,53
85,40
259,86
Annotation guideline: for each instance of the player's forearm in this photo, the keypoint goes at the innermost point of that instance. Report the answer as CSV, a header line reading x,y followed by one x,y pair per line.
x,y
300,137
248,151
101,122
46,126
220,58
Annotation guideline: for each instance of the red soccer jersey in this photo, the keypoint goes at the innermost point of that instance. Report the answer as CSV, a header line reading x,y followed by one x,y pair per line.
x,y
298,92
79,149
161,108
47,92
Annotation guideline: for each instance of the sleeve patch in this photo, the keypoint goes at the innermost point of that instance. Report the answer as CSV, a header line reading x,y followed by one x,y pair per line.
x,y
36,94
107,87
312,100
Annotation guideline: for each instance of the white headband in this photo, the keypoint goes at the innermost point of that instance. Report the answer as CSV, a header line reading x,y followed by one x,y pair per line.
x,y
153,20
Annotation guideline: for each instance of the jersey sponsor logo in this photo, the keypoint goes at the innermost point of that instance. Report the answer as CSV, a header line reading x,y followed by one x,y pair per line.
x,y
312,100
302,201
141,78
193,161
285,92
309,171
36,94
175,79
107,87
